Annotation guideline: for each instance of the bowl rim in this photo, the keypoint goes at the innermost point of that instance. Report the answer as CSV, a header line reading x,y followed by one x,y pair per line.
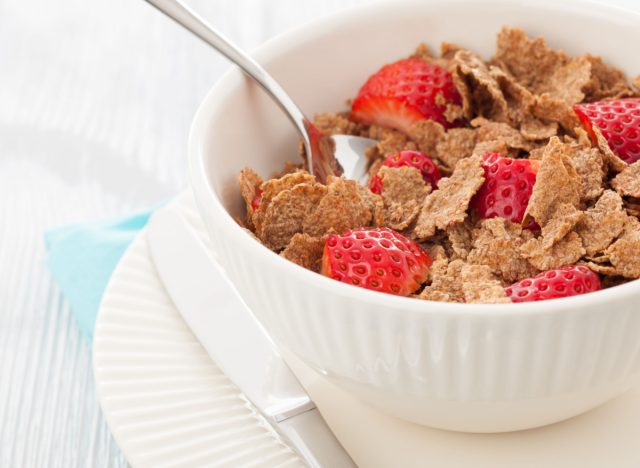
x,y
278,46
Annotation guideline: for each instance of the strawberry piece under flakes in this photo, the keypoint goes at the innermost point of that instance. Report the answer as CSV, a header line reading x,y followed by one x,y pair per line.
x,y
507,188
619,123
408,158
553,284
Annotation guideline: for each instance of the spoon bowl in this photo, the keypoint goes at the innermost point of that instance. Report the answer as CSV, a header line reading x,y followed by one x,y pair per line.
x,y
350,151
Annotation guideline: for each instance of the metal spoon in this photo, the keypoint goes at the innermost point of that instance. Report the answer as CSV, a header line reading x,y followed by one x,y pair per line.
x,y
326,155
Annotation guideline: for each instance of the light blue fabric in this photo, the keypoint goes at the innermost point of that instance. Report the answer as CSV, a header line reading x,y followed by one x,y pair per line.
x,y
82,258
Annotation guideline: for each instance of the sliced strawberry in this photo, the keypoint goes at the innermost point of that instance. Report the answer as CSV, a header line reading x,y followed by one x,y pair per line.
x,y
386,112
420,161
379,259
404,92
619,122
257,199
375,184
507,187
553,284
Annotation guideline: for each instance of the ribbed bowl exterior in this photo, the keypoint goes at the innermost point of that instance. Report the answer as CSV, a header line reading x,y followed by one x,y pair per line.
x,y
493,368
457,366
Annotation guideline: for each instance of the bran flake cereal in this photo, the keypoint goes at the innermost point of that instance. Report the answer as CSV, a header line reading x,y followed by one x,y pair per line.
x,y
271,188
584,208
305,251
558,245
496,244
460,237
602,223
403,194
480,91
627,183
589,165
448,205
565,252
454,145
623,253
557,183
535,129
342,208
287,213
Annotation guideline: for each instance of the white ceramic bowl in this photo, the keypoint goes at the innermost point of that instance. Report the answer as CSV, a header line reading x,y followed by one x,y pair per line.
x,y
480,368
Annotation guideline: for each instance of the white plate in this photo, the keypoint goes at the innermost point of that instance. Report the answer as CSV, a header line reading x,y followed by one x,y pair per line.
x,y
169,405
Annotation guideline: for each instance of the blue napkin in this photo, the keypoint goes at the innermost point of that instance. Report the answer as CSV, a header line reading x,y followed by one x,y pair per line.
x,y
82,258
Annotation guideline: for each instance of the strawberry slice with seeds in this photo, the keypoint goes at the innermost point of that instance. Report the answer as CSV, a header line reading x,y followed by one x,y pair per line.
x,y
553,284
618,121
507,187
379,259
420,161
404,92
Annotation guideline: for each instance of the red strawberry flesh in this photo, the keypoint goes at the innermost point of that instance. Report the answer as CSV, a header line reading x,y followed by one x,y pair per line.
x,y
507,187
420,161
405,92
257,199
379,259
619,122
553,284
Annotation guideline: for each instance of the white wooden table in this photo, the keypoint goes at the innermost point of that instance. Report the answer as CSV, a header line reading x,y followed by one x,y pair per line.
x,y
96,99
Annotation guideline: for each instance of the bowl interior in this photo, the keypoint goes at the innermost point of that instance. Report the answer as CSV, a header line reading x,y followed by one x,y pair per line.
x,y
323,64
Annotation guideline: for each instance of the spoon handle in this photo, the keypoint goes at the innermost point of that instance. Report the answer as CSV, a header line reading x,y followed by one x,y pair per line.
x,y
191,21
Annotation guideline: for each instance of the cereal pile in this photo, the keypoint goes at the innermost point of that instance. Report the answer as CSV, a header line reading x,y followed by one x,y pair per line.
x,y
500,171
